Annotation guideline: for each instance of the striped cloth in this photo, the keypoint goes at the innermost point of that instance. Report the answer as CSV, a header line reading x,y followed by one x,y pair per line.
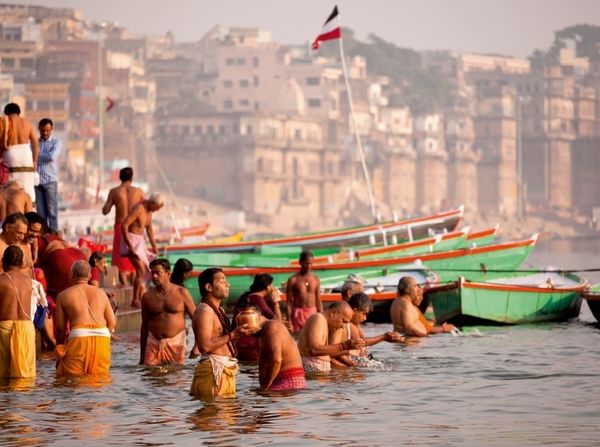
x,y
49,151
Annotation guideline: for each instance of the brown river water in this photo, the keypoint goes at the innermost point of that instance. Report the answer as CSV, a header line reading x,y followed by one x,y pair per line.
x,y
506,385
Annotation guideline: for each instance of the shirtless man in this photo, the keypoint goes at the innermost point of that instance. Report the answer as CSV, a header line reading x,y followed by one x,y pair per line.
x,y
313,340
20,148
133,244
303,293
123,198
405,314
91,318
279,364
14,231
163,334
14,200
215,373
16,327
351,286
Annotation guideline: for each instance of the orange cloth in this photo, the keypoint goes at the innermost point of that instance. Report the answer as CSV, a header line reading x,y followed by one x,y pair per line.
x,y
17,349
427,324
214,376
86,354
170,351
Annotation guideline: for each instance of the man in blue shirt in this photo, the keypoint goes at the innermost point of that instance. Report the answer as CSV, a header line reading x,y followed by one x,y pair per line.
x,y
46,192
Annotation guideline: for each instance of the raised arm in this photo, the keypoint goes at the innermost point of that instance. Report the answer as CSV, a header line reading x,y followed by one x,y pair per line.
x,y
109,203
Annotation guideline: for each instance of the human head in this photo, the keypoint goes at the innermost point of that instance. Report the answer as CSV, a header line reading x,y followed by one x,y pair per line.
x,y
15,228
361,306
160,270
262,281
305,260
213,282
407,286
350,287
80,271
155,202
96,259
182,270
36,225
13,257
12,109
45,127
126,174
338,314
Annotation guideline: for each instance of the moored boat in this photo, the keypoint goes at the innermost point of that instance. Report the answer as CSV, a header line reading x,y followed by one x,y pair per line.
x,y
592,297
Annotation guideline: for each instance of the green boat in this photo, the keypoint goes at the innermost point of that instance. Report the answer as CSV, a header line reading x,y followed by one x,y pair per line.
x,y
515,299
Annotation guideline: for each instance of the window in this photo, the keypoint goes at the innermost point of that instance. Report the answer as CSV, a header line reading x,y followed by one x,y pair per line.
x,y
59,127
8,62
313,81
185,130
58,105
314,103
229,61
43,105
210,129
227,104
197,130
140,92
256,81
241,61
26,63
244,83
222,129
255,62
244,102
227,83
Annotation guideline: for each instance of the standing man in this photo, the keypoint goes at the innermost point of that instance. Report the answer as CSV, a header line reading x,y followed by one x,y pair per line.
x,y
91,319
133,244
163,334
20,148
216,371
406,316
123,197
303,293
17,334
46,192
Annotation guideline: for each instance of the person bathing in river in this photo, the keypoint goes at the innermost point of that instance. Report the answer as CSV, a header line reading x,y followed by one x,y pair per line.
x,y
303,292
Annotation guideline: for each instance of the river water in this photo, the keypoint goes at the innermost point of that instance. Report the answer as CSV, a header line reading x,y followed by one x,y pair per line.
x,y
519,385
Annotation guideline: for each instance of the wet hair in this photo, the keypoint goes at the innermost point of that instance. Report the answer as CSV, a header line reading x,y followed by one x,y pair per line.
x,y
14,218
126,174
95,258
81,269
404,284
45,121
12,109
261,282
164,263
361,302
33,217
13,257
206,277
305,255
181,267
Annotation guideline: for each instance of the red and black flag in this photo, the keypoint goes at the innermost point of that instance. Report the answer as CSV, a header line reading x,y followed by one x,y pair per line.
x,y
331,30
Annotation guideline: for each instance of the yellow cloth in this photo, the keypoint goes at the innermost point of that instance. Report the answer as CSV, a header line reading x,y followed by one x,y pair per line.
x,y
84,354
17,349
205,383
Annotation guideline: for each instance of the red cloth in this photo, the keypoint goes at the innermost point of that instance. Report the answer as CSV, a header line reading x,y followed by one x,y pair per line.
x,y
290,379
121,262
57,267
95,274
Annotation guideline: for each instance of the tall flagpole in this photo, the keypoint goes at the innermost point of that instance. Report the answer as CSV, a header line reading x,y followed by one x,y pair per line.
x,y
358,141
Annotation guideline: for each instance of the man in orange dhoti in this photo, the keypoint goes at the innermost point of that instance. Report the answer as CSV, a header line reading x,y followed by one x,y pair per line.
x,y
163,335
88,311
17,334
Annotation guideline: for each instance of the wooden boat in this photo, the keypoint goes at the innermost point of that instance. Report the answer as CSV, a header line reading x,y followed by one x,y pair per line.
x,y
391,232
476,263
517,299
592,297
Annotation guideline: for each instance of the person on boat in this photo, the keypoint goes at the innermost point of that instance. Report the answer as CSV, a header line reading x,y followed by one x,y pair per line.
x,y
164,306
14,232
313,341
123,198
351,286
215,374
361,306
17,333
13,199
133,244
263,296
182,271
303,292
91,320
279,364
405,314
20,148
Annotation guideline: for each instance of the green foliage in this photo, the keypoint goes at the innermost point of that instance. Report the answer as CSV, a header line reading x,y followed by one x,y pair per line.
x,y
585,37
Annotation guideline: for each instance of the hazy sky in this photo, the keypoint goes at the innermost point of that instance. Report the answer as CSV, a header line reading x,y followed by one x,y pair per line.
x,y
511,27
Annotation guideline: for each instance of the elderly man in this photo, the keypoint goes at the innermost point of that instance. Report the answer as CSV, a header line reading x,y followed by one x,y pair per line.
x,y
20,147
17,334
215,374
133,244
351,286
405,314
163,334
14,231
313,340
279,363
91,319
303,292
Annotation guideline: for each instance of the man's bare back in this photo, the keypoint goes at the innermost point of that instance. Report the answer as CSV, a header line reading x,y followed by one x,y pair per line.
x,y
314,332
165,313
124,198
13,199
138,219
85,304
21,132
9,306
